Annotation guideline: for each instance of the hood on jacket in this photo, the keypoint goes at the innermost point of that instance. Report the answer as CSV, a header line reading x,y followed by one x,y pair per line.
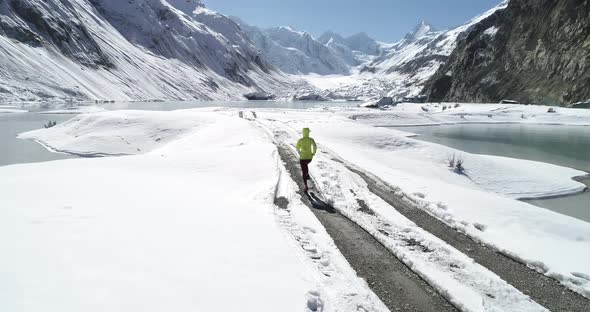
x,y
306,132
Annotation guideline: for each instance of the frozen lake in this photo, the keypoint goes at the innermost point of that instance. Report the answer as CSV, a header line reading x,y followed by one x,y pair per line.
x,y
567,146
15,151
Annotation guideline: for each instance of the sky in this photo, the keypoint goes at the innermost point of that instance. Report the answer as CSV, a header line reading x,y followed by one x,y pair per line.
x,y
384,20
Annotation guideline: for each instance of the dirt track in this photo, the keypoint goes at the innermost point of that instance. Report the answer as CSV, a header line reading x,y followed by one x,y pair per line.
x,y
542,289
396,285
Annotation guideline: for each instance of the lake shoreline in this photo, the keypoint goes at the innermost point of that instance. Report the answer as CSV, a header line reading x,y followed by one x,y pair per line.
x,y
522,140
584,179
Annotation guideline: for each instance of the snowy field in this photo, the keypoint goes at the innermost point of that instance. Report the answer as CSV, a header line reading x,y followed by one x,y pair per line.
x,y
481,203
188,216
180,227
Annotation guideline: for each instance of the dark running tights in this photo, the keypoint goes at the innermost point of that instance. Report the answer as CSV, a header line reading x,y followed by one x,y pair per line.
x,y
305,169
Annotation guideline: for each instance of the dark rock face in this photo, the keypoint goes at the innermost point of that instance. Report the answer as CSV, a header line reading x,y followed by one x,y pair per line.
x,y
534,51
310,97
67,33
259,96
384,101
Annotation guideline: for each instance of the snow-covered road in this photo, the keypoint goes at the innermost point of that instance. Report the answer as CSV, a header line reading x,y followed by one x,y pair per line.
x,y
395,284
481,204
200,186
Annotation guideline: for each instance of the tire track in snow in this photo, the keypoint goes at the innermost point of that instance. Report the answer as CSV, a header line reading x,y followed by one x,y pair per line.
x,y
395,284
338,288
541,288
468,285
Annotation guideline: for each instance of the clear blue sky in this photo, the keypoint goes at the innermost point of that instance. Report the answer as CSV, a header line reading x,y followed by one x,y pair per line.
x,y
384,20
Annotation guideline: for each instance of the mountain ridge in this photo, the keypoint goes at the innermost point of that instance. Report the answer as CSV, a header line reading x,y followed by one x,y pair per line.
x,y
122,50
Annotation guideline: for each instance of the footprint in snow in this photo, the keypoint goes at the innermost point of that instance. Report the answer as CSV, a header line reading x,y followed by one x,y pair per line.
x,y
310,248
418,194
315,256
309,229
314,302
480,226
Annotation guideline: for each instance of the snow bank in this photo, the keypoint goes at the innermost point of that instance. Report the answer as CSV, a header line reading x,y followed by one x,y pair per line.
x,y
75,110
409,114
183,225
116,132
10,110
482,203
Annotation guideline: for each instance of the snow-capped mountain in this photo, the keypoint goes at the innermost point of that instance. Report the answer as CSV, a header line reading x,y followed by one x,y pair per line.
x,y
407,50
421,52
363,43
127,50
298,52
338,45
400,69
295,52
358,66
356,49
179,49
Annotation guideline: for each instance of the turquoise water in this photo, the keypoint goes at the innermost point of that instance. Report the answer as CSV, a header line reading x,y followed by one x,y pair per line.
x,y
567,146
16,151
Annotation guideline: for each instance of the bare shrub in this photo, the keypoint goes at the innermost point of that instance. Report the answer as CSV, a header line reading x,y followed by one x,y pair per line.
x,y
456,163
50,124
459,165
451,159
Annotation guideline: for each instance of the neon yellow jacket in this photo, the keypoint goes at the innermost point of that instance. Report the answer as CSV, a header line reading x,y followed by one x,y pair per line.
x,y
306,146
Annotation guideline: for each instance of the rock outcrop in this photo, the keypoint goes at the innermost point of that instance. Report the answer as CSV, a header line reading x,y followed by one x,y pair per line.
x,y
259,96
534,51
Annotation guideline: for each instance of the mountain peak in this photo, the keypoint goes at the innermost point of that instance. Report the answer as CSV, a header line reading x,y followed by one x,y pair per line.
x,y
330,36
186,6
362,42
422,29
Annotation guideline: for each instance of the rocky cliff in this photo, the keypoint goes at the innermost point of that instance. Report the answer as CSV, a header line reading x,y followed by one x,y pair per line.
x,y
535,51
